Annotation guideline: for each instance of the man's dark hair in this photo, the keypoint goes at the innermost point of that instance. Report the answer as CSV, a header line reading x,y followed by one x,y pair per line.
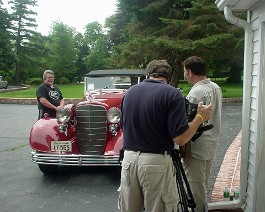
x,y
196,65
159,68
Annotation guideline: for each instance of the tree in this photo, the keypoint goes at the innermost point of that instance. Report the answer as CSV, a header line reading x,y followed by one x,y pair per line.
x,y
99,47
6,48
22,23
63,51
116,25
99,55
150,33
83,51
35,58
220,43
174,30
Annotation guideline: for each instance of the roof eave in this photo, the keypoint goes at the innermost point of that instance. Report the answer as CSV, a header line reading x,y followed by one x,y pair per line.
x,y
222,3
241,5
116,72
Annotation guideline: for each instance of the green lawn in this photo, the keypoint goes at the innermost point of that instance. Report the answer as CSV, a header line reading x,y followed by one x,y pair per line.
x,y
69,91
77,90
229,90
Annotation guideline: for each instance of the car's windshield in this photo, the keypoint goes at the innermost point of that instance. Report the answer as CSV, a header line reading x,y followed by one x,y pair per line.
x,y
93,83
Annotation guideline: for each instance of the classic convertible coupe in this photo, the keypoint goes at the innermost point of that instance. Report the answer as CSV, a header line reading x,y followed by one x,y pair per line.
x,y
86,133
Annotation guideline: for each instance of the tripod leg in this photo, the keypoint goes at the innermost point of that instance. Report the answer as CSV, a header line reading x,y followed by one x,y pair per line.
x,y
185,194
190,199
181,189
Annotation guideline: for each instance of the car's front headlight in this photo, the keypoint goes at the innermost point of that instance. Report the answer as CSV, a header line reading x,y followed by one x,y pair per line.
x,y
63,115
114,115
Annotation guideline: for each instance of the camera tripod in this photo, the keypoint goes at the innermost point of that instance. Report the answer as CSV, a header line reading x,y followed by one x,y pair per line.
x,y
186,199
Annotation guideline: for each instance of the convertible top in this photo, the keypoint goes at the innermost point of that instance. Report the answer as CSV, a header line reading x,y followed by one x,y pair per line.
x,y
116,72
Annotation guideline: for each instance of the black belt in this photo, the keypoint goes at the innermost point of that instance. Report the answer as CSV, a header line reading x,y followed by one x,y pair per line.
x,y
152,152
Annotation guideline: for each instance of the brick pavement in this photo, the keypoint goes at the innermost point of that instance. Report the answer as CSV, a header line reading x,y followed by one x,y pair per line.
x,y
229,174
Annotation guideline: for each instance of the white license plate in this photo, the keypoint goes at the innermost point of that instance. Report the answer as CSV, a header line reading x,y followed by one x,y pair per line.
x,y
61,146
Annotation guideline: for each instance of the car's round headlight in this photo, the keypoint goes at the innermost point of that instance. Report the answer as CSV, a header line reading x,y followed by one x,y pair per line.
x,y
114,115
63,115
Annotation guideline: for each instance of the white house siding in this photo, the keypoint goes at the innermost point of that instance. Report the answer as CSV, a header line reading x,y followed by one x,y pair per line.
x,y
252,127
255,178
260,154
253,143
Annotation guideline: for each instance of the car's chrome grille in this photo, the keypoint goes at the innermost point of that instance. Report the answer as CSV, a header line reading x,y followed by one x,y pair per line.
x,y
91,128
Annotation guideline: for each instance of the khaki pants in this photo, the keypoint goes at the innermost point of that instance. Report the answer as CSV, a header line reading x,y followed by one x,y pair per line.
x,y
197,172
148,183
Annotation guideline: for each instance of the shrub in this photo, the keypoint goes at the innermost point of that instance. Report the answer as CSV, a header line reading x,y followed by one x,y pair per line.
x,y
33,81
9,79
64,80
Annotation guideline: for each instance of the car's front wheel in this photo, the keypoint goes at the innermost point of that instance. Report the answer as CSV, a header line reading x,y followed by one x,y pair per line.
x,y
48,169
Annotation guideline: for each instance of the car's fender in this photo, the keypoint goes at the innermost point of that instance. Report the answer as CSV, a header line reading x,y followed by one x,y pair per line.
x,y
115,144
46,130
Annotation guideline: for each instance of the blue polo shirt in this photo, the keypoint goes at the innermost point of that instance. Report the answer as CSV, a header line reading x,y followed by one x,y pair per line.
x,y
153,113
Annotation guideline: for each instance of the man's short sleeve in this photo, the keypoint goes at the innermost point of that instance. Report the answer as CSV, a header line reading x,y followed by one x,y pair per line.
x,y
40,92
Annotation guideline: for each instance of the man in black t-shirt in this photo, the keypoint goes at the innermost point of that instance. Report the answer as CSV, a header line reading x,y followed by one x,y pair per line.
x,y
50,98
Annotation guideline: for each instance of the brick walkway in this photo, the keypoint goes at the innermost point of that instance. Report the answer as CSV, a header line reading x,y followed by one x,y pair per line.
x,y
229,174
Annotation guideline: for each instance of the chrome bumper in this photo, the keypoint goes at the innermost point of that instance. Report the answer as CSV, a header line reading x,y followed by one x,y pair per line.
x,y
75,160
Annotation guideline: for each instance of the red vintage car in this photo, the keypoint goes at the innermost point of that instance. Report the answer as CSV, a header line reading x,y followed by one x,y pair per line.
x,y
86,133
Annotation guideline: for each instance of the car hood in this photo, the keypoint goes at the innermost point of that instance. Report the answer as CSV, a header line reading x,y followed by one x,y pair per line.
x,y
107,97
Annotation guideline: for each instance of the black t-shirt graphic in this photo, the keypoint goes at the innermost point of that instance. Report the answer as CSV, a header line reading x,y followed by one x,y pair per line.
x,y
53,95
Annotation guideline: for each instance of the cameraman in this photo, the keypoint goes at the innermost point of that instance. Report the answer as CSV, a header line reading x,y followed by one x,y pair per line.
x,y
153,118
198,164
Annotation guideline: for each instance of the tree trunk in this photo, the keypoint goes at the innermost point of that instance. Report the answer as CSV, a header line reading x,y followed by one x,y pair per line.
x,y
17,75
176,75
174,79
235,74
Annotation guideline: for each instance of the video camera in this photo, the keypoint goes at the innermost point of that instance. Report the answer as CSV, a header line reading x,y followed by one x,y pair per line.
x,y
191,111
